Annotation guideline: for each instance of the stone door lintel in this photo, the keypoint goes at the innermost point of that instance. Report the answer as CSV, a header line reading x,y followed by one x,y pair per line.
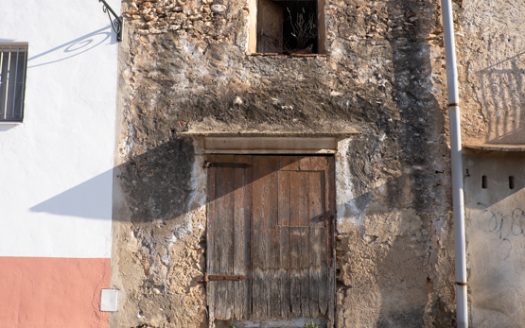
x,y
266,144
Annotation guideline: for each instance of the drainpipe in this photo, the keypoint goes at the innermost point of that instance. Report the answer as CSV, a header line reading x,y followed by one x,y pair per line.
x,y
457,166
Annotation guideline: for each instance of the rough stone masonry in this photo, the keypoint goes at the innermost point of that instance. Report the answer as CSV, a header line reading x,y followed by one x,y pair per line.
x,y
184,66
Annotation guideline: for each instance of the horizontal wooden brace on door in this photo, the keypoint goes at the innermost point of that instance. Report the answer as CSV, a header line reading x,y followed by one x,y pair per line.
x,y
222,277
227,165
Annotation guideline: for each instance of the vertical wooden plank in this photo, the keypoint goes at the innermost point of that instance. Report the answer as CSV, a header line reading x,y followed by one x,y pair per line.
x,y
265,218
259,236
270,168
304,245
295,243
269,26
324,271
329,189
248,217
325,297
240,242
224,241
321,31
273,277
284,223
255,251
316,215
210,228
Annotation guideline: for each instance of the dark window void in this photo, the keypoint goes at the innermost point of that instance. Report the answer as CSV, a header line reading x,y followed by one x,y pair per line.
x,y
13,63
511,182
484,182
288,27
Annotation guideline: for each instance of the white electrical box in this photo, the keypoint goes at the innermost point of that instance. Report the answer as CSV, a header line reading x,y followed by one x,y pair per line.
x,y
109,300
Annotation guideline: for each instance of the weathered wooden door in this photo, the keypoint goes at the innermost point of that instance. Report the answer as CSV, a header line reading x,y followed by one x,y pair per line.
x,y
270,240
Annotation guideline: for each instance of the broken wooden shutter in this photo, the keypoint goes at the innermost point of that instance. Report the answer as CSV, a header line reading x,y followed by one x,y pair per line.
x,y
269,27
270,238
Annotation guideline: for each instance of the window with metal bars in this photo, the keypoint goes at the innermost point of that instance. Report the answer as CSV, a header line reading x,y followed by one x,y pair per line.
x,y
13,66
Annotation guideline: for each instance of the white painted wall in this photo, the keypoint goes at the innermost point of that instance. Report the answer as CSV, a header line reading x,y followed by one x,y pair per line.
x,y
55,167
495,218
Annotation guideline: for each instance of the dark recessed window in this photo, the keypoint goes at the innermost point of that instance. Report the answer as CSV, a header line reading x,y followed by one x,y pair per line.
x,y
483,182
13,65
293,27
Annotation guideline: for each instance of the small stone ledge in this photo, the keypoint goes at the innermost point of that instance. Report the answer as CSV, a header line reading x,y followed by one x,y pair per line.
x,y
494,148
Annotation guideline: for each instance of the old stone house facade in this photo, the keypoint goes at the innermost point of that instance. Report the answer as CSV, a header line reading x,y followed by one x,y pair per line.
x,y
373,99
262,163
377,94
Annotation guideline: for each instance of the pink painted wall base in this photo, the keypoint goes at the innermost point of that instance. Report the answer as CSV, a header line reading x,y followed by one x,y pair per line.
x,y
38,292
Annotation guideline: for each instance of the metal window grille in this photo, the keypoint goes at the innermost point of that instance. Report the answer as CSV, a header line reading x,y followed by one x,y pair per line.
x,y
13,66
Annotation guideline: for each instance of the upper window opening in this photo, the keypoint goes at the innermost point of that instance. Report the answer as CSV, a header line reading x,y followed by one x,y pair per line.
x,y
293,27
13,65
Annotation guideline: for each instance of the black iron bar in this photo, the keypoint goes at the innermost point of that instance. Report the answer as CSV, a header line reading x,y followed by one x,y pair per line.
x,y
116,24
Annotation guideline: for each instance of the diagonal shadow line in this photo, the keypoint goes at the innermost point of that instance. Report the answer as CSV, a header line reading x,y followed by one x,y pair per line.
x,y
76,46
501,97
145,178
90,199
158,184
492,66
148,183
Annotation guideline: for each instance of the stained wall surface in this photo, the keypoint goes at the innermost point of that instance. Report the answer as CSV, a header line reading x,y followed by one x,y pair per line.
x,y
490,53
186,68
56,166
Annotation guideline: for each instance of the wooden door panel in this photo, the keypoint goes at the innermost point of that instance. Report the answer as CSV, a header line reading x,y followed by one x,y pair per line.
x,y
264,216
241,228
271,223
227,235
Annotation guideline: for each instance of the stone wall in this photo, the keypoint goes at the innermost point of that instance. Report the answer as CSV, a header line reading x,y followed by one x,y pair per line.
x,y
492,61
184,67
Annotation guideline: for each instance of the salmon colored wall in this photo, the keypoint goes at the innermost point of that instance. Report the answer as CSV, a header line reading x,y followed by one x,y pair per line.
x,y
39,292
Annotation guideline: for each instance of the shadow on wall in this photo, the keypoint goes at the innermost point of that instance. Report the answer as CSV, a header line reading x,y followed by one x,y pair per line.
x,y
87,200
73,48
8,126
502,96
155,185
